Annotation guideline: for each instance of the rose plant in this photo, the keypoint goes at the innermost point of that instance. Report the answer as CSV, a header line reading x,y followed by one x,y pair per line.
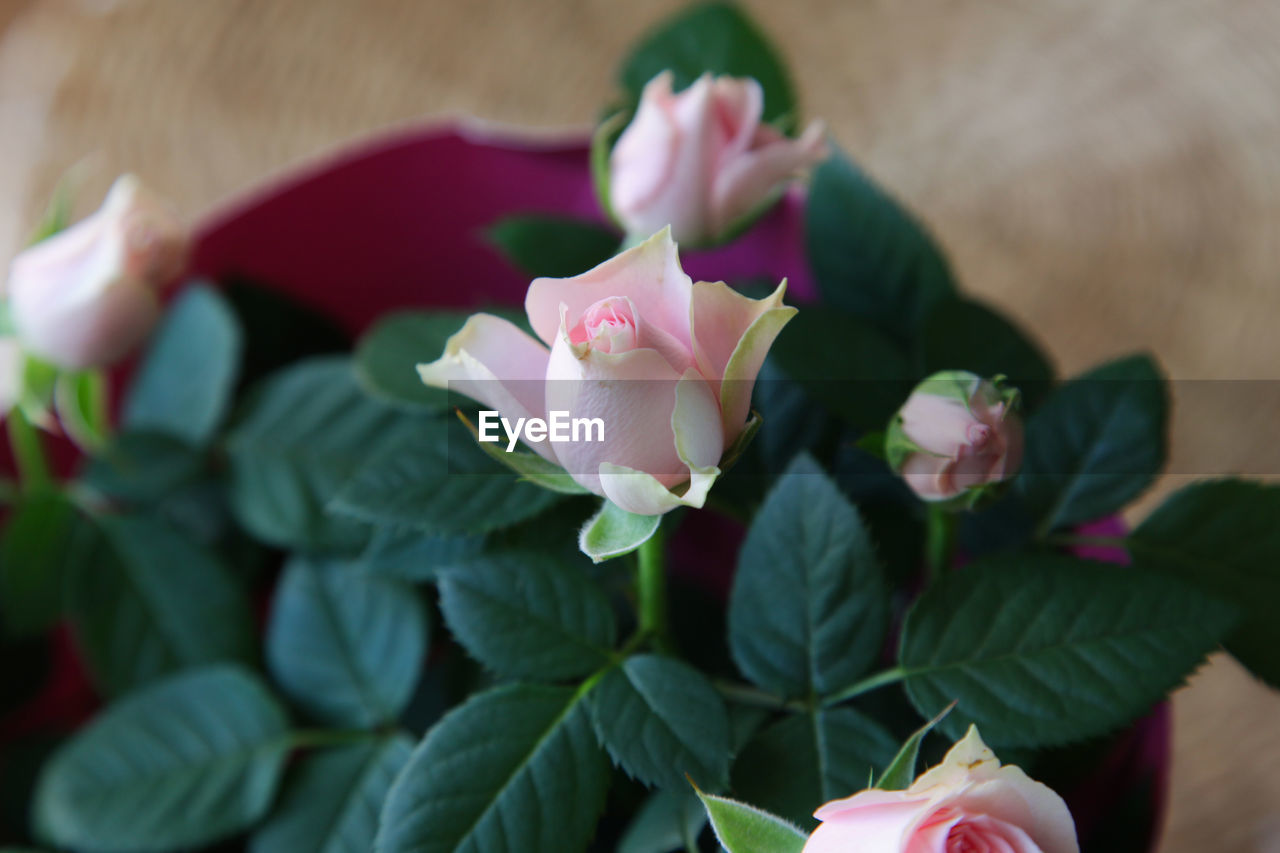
x,y
314,602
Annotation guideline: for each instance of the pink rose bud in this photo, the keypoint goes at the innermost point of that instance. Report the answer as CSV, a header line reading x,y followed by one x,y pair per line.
x,y
956,435
665,365
87,296
700,160
967,803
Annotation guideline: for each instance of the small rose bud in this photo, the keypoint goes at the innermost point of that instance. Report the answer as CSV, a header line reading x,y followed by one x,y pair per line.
x,y
87,296
956,435
967,803
701,160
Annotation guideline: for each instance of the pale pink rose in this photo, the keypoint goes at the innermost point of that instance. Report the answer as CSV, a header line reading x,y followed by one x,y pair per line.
x,y
967,804
667,366
87,296
956,432
700,160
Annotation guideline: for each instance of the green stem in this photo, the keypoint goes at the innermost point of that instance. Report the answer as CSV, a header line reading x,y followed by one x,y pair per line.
x,y
28,451
743,694
866,685
634,642
940,541
651,589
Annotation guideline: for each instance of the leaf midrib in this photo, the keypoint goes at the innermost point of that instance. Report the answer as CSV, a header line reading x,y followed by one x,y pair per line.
x,y
551,627
529,758
365,694
909,672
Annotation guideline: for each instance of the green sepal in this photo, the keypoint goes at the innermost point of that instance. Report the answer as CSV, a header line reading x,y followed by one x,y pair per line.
x,y
740,444
901,772
613,531
602,141
80,399
741,828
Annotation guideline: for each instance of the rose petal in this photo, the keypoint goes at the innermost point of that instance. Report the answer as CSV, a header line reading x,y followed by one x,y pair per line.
x,y
732,335
870,797
930,835
648,274
633,393
880,824
698,445
738,103
681,203
493,361
644,157
88,332
748,179
937,424
86,296
981,785
979,833
929,476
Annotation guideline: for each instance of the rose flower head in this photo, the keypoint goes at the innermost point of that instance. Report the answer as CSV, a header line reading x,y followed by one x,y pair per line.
x,y
701,161
665,365
88,295
969,803
957,435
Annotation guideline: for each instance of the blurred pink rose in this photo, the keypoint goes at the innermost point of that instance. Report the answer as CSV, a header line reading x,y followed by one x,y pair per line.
x,y
667,365
967,804
956,432
700,160
87,296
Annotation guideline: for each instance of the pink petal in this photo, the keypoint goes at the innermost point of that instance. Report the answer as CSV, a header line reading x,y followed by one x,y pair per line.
x,y
929,476
732,335
86,296
1015,799
975,783
644,157
931,834
649,275
979,833
738,103
877,826
634,394
698,443
492,361
83,333
681,200
936,423
748,180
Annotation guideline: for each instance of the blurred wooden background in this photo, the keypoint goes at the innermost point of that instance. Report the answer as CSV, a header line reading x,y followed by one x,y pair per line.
x,y
1108,173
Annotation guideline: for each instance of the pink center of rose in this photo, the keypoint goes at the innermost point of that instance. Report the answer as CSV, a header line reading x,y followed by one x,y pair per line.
x,y
962,841
607,326
978,435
